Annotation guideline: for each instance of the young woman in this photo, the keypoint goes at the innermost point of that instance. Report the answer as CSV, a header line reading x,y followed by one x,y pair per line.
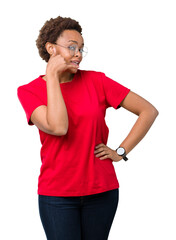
x,y
78,189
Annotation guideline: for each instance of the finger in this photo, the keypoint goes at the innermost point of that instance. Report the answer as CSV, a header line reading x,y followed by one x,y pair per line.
x,y
99,151
105,157
99,145
98,154
54,52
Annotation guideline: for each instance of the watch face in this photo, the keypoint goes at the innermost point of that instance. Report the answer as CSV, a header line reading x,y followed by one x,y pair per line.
x,y
120,151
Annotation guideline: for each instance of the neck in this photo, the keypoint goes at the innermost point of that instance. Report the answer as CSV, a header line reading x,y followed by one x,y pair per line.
x,y
66,77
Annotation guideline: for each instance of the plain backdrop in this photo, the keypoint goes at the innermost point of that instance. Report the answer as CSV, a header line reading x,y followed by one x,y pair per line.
x,y
132,42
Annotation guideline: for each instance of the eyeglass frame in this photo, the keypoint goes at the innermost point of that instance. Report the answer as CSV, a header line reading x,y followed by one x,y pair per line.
x,y
75,49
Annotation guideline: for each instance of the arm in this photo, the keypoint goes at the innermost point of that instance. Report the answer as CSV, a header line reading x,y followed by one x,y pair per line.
x,y
147,114
53,118
57,116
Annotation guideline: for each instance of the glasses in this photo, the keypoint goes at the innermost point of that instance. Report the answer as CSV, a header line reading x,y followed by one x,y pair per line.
x,y
73,49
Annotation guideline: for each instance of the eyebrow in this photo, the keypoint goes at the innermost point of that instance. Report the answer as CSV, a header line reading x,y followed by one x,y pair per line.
x,y
75,42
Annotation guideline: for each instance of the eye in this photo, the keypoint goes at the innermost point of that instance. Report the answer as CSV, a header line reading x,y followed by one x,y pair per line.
x,y
72,47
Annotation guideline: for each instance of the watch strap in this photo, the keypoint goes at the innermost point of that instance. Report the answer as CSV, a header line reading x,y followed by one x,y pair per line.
x,y
125,158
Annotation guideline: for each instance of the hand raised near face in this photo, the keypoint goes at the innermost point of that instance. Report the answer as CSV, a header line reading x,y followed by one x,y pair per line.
x,y
56,64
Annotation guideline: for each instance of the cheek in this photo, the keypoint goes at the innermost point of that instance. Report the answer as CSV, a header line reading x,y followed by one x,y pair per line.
x,y
65,54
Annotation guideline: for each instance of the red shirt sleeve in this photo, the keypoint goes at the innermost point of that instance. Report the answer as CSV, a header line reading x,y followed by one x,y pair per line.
x,y
29,101
114,92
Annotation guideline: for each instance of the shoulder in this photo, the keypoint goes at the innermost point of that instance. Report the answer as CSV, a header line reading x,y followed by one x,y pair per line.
x,y
30,86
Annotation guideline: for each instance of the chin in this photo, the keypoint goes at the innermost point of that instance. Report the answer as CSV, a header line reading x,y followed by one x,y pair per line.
x,y
73,70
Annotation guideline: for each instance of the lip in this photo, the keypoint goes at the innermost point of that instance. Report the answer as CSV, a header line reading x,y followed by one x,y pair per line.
x,y
75,64
75,61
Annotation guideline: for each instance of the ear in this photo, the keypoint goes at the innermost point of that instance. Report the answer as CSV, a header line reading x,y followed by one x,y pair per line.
x,y
49,48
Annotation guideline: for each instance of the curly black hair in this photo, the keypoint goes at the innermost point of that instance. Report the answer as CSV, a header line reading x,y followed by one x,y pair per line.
x,y
51,30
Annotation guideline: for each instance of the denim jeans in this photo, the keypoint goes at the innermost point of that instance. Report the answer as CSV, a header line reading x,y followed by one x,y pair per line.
x,y
78,218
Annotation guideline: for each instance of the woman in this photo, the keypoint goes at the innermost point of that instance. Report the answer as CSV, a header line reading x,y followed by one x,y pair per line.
x,y
78,188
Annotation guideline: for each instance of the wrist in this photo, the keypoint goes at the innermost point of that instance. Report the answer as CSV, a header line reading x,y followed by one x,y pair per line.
x,y
121,152
118,157
52,75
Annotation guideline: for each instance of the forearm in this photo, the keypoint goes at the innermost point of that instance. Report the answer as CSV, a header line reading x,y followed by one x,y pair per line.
x,y
57,116
139,129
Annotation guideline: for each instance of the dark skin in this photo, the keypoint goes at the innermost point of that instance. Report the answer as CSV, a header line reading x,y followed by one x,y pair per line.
x,y
134,103
61,55
146,113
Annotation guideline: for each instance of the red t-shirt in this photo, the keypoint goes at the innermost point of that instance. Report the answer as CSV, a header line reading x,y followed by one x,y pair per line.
x,y
69,166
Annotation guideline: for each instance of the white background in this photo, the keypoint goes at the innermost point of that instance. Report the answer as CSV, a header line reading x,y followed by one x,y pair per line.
x,y
132,42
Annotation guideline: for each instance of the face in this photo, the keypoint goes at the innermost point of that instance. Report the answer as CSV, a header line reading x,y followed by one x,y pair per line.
x,y
68,38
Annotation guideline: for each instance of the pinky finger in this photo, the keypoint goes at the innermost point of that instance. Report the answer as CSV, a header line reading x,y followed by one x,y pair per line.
x,y
104,157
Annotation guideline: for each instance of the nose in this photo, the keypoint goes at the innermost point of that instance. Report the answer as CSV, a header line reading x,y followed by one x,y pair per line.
x,y
78,54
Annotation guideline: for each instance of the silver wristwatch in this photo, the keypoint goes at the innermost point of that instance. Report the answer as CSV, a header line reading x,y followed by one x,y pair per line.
x,y
121,152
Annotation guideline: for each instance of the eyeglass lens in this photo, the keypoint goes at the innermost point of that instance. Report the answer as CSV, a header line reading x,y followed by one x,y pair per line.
x,y
74,49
